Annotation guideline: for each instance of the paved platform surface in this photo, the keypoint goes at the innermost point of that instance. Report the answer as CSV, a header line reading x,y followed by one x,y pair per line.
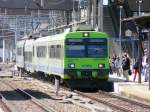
x,y
131,89
6,70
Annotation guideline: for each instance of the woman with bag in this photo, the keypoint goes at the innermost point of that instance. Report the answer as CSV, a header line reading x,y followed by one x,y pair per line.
x,y
126,66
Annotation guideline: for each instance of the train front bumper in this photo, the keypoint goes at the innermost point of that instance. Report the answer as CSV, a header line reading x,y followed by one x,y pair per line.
x,y
86,74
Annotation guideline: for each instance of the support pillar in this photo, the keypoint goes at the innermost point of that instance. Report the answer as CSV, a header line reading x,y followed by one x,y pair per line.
x,y
149,55
3,50
89,12
100,15
94,14
139,56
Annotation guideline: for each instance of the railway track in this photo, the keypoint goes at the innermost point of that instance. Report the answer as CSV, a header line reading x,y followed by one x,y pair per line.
x,y
118,102
21,101
4,105
45,93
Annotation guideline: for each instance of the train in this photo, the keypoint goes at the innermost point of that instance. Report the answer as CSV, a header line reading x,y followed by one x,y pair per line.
x,y
79,58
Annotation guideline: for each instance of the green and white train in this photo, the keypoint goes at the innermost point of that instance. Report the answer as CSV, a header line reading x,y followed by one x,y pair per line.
x,y
79,58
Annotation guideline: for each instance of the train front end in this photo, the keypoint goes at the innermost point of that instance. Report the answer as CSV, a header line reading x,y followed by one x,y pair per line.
x,y
86,61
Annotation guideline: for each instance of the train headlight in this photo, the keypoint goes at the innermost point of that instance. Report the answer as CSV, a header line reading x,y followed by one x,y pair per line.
x,y
85,34
71,65
101,65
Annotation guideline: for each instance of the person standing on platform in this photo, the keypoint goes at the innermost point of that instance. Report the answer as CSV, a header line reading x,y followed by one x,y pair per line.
x,y
126,66
136,69
112,64
145,65
118,66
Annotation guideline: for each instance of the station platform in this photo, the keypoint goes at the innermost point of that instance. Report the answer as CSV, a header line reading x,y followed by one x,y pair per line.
x,y
6,74
6,70
131,89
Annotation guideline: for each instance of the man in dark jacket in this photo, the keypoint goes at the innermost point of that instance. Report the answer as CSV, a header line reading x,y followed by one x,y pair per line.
x,y
126,66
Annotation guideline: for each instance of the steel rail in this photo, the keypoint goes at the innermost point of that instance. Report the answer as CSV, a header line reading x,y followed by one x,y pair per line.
x,y
142,104
33,99
105,102
7,105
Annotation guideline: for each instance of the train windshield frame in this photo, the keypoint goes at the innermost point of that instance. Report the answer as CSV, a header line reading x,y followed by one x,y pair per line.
x,y
86,47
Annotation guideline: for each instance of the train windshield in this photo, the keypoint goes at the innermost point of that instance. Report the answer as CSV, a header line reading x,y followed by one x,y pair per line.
x,y
92,48
97,50
75,50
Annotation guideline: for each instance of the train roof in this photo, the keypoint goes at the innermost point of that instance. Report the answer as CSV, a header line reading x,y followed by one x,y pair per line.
x,y
94,34
20,43
62,36
29,42
66,35
49,38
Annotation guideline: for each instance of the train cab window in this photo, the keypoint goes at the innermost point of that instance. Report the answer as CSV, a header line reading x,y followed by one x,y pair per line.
x,y
87,47
75,51
97,47
97,50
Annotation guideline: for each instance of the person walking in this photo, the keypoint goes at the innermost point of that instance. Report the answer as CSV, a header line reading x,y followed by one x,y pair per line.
x,y
126,66
113,63
145,65
135,69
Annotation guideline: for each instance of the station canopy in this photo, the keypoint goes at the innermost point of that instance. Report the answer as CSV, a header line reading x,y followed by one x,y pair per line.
x,y
141,21
22,7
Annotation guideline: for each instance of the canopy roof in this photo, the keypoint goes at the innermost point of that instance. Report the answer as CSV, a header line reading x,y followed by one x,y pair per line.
x,y
142,21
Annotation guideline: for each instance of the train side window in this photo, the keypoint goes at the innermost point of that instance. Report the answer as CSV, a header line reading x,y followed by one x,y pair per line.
x,y
52,51
61,52
19,51
41,51
25,56
33,50
28,56
49,51
37,51
58,51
